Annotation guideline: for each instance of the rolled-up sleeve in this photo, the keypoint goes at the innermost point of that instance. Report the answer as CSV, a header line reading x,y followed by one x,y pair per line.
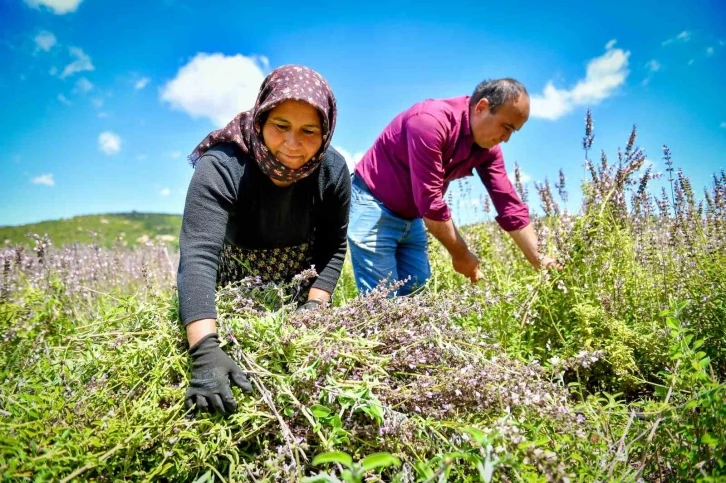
x,y
426,136
512,212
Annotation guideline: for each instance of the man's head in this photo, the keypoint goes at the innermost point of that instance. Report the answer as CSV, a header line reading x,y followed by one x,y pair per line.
x,y
497,108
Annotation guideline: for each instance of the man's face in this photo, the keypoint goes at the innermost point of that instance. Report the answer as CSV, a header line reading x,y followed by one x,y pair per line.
x,y
491,129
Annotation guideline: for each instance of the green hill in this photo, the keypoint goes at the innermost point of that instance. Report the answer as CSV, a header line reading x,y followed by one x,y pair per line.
x,y
128,229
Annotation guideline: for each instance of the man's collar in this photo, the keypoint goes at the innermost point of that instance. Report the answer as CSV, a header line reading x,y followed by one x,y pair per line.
x,y
466,133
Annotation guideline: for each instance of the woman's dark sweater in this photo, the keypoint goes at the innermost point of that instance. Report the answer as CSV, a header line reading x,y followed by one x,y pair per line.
x,y
230,200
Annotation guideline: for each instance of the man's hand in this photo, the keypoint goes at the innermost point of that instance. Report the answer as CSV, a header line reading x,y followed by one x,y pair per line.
x,y
548,262
212,370
467,264
463,260
526,240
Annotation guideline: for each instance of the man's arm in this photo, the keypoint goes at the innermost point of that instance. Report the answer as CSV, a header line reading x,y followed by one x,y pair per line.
x,y
513,213
426,138
526,240
463,260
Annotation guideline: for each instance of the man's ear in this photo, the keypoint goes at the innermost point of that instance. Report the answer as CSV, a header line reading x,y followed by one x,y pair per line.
x,y
482,106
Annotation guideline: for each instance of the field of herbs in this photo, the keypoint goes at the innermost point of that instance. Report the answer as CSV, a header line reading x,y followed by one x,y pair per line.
x,y
611,370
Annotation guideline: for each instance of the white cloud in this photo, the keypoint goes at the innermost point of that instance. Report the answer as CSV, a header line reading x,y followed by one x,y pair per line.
x,y
175,154
653,65
82,63
165,192
684,36
109,143
690,62
46,179
552,104
140,157
350,159
53,71
64,100
44,41
216,86
83,85
603,76
59,7
97,103
709,51
723,125
141,83
524,176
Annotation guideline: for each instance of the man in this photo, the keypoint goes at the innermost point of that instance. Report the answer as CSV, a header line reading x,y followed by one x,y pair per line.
x,y
399,185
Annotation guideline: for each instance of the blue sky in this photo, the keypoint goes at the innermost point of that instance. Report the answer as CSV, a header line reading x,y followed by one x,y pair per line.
x,y
102,101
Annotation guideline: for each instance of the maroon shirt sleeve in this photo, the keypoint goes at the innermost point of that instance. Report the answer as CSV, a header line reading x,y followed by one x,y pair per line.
x,y
513,213
426,136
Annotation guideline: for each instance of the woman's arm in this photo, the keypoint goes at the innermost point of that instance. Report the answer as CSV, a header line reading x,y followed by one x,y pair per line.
x,y
331,243
210,198
199,328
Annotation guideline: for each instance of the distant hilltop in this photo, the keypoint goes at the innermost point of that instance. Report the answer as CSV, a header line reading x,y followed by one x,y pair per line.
x,y
125,229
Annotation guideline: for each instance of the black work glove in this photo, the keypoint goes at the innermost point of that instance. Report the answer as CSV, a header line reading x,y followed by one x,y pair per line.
x,y
212,370
311,304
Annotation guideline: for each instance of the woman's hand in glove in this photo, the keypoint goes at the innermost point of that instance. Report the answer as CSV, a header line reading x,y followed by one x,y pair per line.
x,y
212,370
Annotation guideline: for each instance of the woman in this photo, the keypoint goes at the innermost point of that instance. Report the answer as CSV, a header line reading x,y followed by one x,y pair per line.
x,y
269,197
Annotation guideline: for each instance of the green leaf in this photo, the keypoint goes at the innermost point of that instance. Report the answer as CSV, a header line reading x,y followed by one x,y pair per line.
x,y
336,422
333,457
319,411
705,362
320,478
204,478
709,440
379,460
477,434
424,470
691,404
348,477
486,471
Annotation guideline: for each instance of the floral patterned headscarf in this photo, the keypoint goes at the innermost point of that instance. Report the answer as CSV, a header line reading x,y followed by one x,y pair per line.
x,y
288,82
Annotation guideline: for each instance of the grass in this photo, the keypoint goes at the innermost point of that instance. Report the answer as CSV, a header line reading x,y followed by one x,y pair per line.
x,y
126,229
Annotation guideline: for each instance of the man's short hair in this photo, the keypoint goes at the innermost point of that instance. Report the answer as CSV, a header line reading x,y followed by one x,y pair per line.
x,y
498,92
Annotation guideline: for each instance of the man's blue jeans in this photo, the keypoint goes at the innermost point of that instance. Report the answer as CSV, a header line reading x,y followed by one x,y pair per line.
x,y
384,246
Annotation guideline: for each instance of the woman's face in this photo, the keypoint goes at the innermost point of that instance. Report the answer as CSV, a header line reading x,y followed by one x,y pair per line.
x,y
293,133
